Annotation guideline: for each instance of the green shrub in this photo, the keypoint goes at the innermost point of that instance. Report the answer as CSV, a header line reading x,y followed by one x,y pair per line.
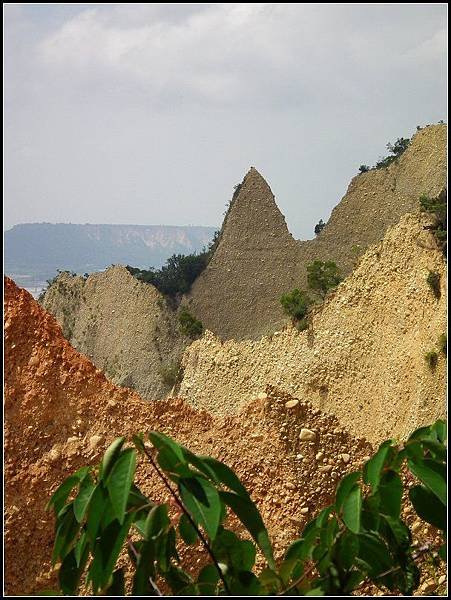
x,y
431,358
296,304
319,227
323,276
396,150
170,373
433,281
364,169
302,325
360,537
179,273
189,325
442,342
439,208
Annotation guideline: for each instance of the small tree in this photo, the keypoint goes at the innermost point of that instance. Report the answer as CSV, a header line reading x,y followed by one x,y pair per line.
x,y
189,325
319,227
323,276
433,281
396,150
399,146
364,169
296,304
431,358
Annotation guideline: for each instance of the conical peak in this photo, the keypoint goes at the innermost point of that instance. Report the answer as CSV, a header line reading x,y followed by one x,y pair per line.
x,y
254,215
253,176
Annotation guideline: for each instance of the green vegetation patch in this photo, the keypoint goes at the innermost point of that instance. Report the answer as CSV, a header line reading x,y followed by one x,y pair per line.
x,y
102,516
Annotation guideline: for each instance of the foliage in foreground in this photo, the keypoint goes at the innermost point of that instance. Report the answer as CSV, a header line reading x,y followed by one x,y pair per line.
x,y
361,536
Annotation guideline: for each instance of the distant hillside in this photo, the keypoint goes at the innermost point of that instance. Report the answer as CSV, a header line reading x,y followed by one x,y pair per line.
x,y
37,250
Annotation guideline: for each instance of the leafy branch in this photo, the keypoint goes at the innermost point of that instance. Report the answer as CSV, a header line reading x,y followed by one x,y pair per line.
x,y
360,537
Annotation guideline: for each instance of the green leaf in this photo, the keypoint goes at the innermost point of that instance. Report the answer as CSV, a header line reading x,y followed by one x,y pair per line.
x,y
117,586
226,476
414,449
428,507
346,549
374,556
422,433
229,549
291,568
160,441
145,570
399,531
270,581
437,449
355,578
208,579
81,502
390,491
107,551
442,552
120,480
373,468
136,498
187,531
431,479
200,464
69,575
172,465
344,487
323,516
317,591
249,515
81,548
201,499
61,494
352,509
65,536
440,428
157,522
245,584
110,456
96,509
303,547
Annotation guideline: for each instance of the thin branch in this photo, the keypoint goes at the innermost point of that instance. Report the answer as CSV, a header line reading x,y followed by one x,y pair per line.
x,y
151,581
193,524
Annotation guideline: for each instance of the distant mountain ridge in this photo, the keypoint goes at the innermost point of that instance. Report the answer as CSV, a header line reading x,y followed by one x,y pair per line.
x,y
39,249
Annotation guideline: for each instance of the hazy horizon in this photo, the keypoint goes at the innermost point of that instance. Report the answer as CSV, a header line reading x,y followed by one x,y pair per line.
x,y
150,114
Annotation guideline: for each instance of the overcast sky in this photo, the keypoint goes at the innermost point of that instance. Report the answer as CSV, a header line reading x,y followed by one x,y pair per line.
x,y
150,114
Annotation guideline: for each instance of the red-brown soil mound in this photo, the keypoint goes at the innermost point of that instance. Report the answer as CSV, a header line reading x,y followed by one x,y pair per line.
x,y
62,413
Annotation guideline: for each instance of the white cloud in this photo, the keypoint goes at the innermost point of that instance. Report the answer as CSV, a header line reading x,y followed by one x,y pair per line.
x,y
168,105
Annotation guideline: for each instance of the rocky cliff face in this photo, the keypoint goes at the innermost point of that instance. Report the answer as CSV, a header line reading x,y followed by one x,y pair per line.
x,y
363,356
257,260
124,326
61,413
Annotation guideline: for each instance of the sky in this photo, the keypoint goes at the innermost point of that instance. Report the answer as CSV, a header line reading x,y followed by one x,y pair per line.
x,y
151,113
